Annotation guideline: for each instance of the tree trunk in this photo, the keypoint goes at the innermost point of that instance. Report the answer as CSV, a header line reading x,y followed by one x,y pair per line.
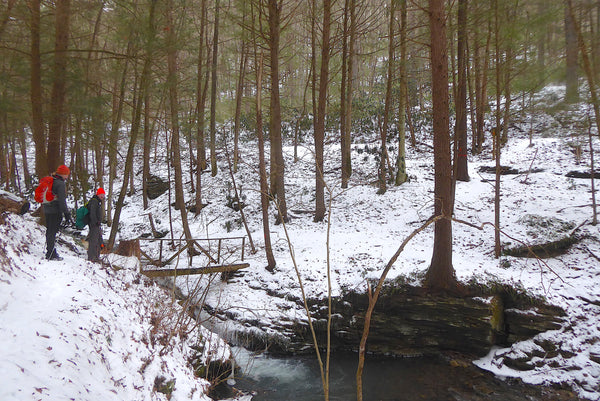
x,y
37,118
23,148
320,121
238,104
58,97
264,184
135,125
462,170
440,275
200,105
117,114
174,106
496,136
343,87
146,95
587,66
388,101
347,90
277,161
572,85
213,94
401,176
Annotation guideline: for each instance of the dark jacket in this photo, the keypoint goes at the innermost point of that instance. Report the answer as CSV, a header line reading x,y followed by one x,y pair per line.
x,y
95,209
59,204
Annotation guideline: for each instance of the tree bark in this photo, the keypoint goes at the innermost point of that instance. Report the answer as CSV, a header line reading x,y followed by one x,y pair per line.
x,y
572,85
462,170
238,104
347,89
388,101
117,114
440,275
320,121
146,97
200,105
401,176
128,162
37,118
264,186
213,93
172,81
58,97
587,65
277,161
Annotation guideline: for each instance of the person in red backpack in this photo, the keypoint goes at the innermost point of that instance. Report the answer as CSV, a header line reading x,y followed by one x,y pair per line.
x,y
95,235
55,210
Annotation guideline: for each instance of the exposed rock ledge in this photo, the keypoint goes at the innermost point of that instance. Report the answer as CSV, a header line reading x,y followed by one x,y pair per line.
x,y
409,321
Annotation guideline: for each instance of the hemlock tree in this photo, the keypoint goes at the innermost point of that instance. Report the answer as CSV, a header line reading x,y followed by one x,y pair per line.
x,y
440,275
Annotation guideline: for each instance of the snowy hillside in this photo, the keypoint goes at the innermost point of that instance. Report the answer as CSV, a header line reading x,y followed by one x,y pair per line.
x,y
74,330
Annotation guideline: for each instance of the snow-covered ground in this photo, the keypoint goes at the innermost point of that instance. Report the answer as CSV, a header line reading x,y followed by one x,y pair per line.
x,y
73,328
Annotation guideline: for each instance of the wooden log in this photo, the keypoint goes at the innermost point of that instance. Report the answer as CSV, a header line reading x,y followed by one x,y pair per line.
x,y
13,204
194,270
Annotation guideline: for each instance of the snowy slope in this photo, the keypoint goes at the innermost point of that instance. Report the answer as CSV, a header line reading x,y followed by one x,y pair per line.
x,y
76,330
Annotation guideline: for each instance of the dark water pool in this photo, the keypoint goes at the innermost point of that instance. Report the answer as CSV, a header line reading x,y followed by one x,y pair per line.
x,y
384,379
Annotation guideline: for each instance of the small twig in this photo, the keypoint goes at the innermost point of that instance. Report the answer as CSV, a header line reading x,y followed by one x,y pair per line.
x,y
524,181
591,253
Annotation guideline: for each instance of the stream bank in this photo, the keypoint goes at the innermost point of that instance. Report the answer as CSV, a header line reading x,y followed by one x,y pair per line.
x,y
409,321
412,330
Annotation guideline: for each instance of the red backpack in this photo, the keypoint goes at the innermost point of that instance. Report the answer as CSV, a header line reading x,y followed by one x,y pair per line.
x,y
43,192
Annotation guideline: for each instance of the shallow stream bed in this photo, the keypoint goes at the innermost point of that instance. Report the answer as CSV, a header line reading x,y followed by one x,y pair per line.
x,y
447,378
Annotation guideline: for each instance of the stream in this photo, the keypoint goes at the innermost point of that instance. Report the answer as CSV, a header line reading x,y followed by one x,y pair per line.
x,y
297,378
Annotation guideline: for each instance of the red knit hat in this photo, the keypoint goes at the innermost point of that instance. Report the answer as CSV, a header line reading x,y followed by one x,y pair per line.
x,y
100,191
63,170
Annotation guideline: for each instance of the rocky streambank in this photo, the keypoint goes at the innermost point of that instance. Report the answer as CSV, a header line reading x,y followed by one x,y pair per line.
x,y
410,321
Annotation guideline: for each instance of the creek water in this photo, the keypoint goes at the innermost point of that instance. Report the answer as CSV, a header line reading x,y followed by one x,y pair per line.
x,y
298,378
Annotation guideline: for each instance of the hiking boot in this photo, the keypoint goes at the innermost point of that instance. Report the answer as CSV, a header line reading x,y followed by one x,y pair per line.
x,y
54,256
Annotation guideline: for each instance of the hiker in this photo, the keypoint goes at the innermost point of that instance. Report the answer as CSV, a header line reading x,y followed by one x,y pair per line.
x,y
55,210
95,217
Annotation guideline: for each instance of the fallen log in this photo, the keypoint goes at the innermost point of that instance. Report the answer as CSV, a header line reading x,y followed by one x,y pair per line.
x,y
13,204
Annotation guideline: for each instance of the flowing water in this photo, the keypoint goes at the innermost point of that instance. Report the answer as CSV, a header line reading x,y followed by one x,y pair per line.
x,y
298,378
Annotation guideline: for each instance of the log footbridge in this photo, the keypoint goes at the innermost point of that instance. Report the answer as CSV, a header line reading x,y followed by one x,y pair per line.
x,y
212,255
